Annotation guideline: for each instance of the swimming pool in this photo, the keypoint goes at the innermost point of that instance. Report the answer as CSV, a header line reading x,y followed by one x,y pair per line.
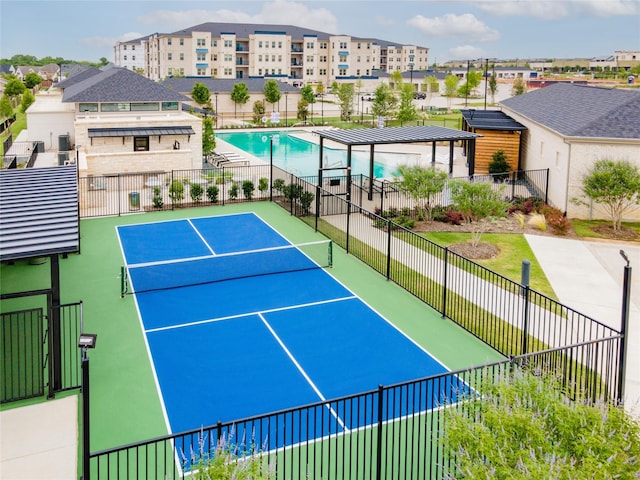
x,y
300,157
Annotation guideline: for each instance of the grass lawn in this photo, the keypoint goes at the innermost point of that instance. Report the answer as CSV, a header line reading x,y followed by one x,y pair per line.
x,y
514,248
586,228
15,128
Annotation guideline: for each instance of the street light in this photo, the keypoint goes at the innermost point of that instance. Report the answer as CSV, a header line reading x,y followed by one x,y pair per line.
x,y
86,341
286,108
271,168
624,329
216,94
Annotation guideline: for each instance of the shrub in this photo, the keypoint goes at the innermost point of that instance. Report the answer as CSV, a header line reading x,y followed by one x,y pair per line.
x,y
556,220
263,185
212,193
247,189
305,201
519,216
406,222
453,217
279,185
233,191
157,198
195,191
176,191
499,166
538,221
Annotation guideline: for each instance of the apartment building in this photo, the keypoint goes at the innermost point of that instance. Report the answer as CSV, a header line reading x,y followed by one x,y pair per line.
x,y
131,54
293,54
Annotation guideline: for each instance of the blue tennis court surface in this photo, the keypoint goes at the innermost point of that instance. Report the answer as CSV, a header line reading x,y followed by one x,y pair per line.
x,y
235,336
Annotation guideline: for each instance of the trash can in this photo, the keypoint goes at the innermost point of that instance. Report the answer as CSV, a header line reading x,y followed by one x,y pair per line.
x,y
134,201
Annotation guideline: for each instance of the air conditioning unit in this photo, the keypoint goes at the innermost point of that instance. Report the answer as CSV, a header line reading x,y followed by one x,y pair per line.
x,y
63,157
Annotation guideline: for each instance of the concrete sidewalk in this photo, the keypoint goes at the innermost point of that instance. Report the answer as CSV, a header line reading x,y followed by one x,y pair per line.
x,y
588,277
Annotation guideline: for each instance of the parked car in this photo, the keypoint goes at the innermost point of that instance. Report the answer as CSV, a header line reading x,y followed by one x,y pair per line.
x,y
419,96
368,97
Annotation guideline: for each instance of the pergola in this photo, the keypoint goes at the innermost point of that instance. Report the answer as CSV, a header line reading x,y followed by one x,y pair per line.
x,y
385,136
39,217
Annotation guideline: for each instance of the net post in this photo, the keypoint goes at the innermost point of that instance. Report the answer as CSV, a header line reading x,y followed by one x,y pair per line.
x,y
123,282
330,252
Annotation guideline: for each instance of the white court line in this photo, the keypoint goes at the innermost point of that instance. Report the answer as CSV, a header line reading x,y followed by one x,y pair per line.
x,y
260,312
201,237
301,370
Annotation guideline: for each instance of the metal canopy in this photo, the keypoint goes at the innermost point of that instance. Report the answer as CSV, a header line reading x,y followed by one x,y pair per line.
x,y
490,120
38,212
139,131
374,136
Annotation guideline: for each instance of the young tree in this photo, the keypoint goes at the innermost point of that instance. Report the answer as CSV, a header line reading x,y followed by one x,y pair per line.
x,y
525,428
518,87
208,137
493,87
272,92
430,86
345,100
27,100
6,110
308,96
258,111
32,79
396,79
422,184
14,88
450,87
239,95
477,202
383,102
303,110
201,94
407,109
614,186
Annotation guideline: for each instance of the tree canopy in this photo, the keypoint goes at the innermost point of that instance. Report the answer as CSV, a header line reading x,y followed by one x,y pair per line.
x,y
240,94
422,184
614,186
32,79
406,109
208,136
272,93
201,94
345,99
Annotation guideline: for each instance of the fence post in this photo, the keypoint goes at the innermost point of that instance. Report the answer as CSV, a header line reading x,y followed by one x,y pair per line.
x,y
86,447
389,223
546,188
626,297
514,176
525,291
380,424
444,282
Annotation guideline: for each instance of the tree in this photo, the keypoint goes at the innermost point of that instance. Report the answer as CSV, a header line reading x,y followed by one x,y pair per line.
x,y
201,94
104,61
27,100
524,427
272,92
308,96
345,100
396,79
477,202
613,185
473,80
383,101
208,136
303,110
258,111
430,86
6,110
407,109
239,95
450,86
14,88
32,79
493,87
320,89
422,184
518,87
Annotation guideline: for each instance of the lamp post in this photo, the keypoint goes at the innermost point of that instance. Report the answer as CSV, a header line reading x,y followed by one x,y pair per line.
x,y
624,328
271,168
286,108
78,155
86,341
216,94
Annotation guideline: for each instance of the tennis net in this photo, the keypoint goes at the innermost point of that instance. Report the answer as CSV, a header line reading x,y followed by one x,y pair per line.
x,y
152,276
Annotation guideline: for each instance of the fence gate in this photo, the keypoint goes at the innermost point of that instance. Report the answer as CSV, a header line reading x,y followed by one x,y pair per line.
x,y
23,340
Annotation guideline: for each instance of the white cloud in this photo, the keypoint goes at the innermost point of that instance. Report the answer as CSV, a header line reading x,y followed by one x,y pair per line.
x,y
276,12
466,52
99,42
465,27
557,9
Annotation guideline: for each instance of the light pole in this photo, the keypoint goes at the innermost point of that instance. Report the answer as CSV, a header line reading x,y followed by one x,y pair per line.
x,y
624,328
86,341
271,168
216,94
286,108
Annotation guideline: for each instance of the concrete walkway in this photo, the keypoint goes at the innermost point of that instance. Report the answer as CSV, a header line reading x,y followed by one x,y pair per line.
x,y
588,276
40,441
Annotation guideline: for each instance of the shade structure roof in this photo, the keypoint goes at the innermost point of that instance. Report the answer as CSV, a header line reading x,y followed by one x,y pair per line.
x,y
139,131
375,136
38,212
490,120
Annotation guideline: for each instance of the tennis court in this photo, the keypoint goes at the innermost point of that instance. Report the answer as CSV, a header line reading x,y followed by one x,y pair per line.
x,y
239,322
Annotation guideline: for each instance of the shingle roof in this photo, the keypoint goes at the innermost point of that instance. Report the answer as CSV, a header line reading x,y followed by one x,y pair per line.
x,y
78,77
119,85
581,111
38,212
254,85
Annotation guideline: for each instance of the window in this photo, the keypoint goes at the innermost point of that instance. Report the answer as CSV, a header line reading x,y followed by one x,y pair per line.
x,y
358,47
260,44
133,57
201,57
169,41
214,43
181,72
279,44
322,71
228,43
140,144
273,58
125,57
201,42
323,45
259,71
228,71
182,41
342,72
358,59
201,71
358,72
343,58
214,72
115,107
88,107
125,47
310,45
273,44
343,44
145,107
309,58
323,58
279,58
259,58
228,57
214,57
133,47
309,71
170,71
182,56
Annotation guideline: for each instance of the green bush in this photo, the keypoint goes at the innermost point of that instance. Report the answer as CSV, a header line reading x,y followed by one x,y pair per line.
x,y
279,185
263,185
247,188
305,201
157,198
233,191
212,193
499,166
176,191
196,192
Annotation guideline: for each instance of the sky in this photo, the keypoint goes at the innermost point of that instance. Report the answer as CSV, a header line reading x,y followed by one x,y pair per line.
x,y
452,30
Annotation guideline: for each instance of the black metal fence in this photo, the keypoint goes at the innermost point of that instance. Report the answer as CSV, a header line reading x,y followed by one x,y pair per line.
x,y
40,356
394,432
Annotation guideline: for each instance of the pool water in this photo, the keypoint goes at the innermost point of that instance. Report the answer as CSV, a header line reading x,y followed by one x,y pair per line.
x,y
301,157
